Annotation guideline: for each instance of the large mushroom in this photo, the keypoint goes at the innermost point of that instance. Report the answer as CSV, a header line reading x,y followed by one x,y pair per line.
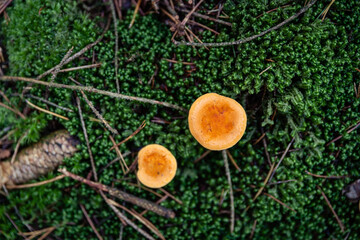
x,y
157,166
217,122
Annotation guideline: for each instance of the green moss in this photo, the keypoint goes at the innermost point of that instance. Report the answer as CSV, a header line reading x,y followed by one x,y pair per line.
x,y
309,85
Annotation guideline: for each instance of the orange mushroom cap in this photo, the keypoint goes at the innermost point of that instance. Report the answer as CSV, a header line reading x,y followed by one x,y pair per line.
x,y
217,122
157,166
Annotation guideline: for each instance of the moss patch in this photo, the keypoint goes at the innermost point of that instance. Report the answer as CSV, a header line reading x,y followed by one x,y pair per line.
x,y
309,90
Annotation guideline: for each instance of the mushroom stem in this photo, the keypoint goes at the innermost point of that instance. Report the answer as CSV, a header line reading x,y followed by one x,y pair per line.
x,y
227,171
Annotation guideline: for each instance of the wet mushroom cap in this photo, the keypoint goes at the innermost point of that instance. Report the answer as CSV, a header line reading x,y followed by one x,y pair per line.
x,y
217,122
157,166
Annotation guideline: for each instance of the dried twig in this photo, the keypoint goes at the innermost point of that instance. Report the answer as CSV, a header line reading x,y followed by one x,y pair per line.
x,y
323,176
324,13
162,211
285,181
266,149
240,41
171,196
203,26
265,182
282,158
114,161
57,67
76,55
332,210
135,13
4,5
86,139
277,200
227,171
122,216
174,61
272,10
48,102
81,67
146,189
339,137
143,124
91,89
90,222
36,184
13,110
253,229
259,139
120,156
265,70
113,13
46,111
202,156
139,217
233,160
184,21
98,115
205,17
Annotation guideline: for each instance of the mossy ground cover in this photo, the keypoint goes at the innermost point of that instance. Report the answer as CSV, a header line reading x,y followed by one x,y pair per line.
x,y
307,94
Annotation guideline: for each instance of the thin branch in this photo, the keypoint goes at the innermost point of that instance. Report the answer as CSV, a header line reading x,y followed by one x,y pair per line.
x,y
146,189
266,148
233,160
202,156
261,73
13,110
57,67
253,229
90,222
205,17
113,13
327,177
332,210
174,61
143,124
81,67
240,41
120,156
203,26
94,90
162,211
49,103
122,216
277,200
339,137
265,182
227,171
285,181
46,111
98,115
171,196
76,55
114,161
87,139
184,21
36,184
140,218
282,158
135,13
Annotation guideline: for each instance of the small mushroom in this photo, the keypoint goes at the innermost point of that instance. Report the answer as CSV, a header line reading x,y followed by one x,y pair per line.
x,y
217,122
157,166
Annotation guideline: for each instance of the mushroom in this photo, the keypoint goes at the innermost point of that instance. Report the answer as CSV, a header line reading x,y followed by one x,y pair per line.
x,y
157,166
217,122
